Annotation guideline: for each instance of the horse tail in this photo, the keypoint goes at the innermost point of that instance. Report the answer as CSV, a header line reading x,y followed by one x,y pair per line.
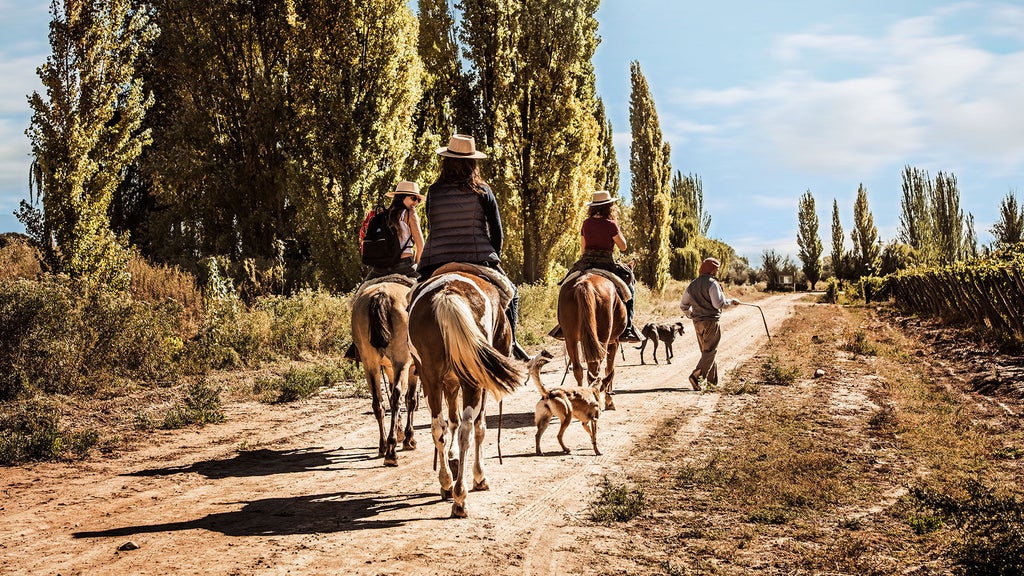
x,y
379,309
470,355
586,304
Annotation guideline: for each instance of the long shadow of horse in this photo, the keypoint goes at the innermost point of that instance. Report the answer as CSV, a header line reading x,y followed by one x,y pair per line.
x,y
320,513
259,463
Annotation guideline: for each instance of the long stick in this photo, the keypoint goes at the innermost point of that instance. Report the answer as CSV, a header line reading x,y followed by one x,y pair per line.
x,y
762,317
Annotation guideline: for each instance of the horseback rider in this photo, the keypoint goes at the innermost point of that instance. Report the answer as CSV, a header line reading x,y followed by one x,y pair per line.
x,y
403,219
599,237
464,222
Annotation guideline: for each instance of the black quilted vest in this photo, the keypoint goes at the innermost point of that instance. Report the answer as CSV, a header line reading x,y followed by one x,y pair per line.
x,y
458,228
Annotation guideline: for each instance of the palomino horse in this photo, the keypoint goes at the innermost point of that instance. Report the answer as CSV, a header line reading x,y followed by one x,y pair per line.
x,y
592,316
380,331
461,337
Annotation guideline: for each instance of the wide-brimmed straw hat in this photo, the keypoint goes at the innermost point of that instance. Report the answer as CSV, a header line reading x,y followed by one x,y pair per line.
x,y
407,188
461,146
601,197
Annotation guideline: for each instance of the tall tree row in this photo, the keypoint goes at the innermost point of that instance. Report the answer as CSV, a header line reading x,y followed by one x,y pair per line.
x,y
86,133
536,85
650,172
838,254
1009,227
931,220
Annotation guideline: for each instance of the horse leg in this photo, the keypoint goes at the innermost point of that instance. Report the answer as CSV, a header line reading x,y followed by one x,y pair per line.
x,y
438,427
480,429
471,406
609,378
372,368
397,374
655,352
409,443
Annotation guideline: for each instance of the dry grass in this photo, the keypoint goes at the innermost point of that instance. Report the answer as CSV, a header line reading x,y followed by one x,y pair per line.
x,y
813,478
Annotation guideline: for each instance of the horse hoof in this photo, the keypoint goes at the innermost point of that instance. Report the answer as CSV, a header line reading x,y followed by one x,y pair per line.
x,y
409,444
447,494
390,461
609,405
481,486
566,451
459,511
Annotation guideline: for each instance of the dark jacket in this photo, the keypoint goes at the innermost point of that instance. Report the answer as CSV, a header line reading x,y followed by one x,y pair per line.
x,y
463,227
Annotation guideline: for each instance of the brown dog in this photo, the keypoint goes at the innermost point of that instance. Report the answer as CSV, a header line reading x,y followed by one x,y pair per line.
x,y
660,332
583,402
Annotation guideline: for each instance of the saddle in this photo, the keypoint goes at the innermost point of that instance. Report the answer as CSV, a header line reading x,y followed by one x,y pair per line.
x,y
392,278
506,290
620,284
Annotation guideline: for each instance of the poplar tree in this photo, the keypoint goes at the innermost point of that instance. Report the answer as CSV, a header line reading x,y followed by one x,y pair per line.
x,y
950,239
86,132
357,75
608,171
535,81
864,235
838,251
1009,228
807,239
221,177
650,172
915,216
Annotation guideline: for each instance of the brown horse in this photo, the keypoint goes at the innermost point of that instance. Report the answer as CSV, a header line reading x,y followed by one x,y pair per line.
x,y
380,331
592,316
461,339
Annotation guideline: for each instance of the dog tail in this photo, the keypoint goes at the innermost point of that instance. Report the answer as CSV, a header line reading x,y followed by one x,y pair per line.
x,y
586,302
379,309
534,366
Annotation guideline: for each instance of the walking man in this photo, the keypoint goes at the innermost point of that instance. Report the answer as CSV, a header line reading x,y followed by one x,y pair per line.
x,y
703,302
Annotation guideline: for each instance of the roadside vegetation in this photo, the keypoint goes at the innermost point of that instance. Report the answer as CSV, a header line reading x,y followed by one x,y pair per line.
x,y
886,464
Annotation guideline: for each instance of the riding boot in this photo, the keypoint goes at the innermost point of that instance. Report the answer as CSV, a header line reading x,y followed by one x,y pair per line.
x,y
512,313
629,334
556,333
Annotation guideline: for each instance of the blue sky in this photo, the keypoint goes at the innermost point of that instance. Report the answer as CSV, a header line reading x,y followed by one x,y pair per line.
x,y
762,100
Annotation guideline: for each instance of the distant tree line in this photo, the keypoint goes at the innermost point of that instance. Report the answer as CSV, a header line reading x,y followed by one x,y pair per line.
x,y
259,134
933,231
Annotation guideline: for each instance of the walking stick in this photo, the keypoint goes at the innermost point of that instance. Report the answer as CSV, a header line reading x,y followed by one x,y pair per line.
x,y
762,317
501,404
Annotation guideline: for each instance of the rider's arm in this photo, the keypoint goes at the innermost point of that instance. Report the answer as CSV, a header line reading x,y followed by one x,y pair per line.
x,y
494,229
417,234
620,242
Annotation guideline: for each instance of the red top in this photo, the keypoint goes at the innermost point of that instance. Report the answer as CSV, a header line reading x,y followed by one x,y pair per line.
x,y
598,233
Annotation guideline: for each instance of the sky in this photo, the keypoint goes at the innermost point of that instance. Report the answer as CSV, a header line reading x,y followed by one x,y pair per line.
x,y
761,100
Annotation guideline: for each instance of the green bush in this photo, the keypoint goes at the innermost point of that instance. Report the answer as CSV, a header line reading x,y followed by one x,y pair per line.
x,y
200,405
774,373
616,503
32,432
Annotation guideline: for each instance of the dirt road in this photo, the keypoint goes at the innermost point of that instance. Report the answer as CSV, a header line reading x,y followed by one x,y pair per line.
x,y
300,490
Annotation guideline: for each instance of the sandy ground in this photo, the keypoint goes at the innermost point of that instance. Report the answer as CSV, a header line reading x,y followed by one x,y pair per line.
x,y
299,489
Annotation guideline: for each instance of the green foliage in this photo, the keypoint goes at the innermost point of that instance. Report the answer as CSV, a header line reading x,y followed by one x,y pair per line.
x,y
916,218
838,251
807,239
32,432
774,373
649,183
771,268
1009,228
990,527
86,133
616,503
201,404
54,340
832,289
864,235
300,383
607,177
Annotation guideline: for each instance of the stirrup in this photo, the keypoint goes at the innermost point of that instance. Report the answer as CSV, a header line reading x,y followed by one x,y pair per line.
x,y
556,333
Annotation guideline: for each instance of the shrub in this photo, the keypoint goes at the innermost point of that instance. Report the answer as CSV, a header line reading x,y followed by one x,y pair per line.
x,y
18,258
165,284
773,372
860,345
32,432
616,503
308,321
201,405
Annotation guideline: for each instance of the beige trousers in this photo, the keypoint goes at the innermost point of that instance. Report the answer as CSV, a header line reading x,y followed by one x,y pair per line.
x,y
709,334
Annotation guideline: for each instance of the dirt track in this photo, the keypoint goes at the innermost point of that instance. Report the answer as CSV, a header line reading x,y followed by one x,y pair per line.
x,y
300,489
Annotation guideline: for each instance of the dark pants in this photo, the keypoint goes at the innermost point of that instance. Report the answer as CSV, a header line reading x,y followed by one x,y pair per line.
x,y
403,267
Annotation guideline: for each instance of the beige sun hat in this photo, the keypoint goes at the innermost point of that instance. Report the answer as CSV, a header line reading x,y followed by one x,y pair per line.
x,y
408,188
461,146
602,197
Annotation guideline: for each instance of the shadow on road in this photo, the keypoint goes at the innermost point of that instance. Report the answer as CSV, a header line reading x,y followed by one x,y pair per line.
x,y
261,463
321,513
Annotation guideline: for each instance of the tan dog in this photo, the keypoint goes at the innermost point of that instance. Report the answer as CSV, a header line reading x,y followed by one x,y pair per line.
x,y
583,402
